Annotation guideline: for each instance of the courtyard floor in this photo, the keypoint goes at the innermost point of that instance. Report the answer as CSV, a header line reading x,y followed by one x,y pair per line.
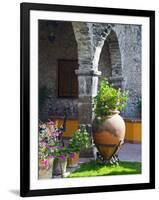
x,y
128,152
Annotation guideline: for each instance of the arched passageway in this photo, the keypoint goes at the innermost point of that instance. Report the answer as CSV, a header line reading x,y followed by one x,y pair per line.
x,y
110,63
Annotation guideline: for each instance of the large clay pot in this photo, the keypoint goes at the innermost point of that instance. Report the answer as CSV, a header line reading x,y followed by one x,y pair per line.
x,y
108,134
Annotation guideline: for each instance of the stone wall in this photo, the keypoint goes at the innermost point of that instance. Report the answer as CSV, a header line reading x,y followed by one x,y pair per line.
x,y
120,62
105,62
112,69
63,46
129,37
113,49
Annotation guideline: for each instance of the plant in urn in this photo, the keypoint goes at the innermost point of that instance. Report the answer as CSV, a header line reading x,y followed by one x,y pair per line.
x,y
108,126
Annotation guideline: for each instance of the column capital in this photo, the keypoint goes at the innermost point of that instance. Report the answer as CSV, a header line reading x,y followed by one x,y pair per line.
x,y
116,78
88,72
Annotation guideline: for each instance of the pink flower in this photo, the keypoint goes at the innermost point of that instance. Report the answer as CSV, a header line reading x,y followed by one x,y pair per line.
x,y
42,143
61,147
49,132
45,163
72,155
51,156
62,157
43,125
55,134
51,123
47,146
55,147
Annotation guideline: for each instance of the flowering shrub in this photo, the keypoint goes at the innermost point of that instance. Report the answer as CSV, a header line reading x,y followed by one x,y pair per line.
x,y
51,146
50,141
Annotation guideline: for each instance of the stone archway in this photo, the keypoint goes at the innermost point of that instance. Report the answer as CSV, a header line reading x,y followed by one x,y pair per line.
x,y
110,63
87,74
115,58
90,38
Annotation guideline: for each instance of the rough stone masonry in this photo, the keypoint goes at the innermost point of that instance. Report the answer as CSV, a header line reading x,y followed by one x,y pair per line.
x,y
102,50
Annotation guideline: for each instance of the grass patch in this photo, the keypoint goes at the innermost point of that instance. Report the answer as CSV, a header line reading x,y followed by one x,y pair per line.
x,y
94,168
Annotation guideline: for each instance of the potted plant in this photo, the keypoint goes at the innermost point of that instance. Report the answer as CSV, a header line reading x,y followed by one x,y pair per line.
x,y
45,163
108,126
60,155
52,153
80,140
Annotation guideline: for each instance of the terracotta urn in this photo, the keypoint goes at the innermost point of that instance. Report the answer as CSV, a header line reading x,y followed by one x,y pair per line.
x,y
73,161
108,134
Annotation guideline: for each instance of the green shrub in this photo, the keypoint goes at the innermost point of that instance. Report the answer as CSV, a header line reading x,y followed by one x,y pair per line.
x,y
44,94
80,139
109,99
139,104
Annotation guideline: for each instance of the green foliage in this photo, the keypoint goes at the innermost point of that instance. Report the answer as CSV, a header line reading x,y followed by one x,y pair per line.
x,y
109,99
49,144
80,139
44,94
94,168
139,104
51,147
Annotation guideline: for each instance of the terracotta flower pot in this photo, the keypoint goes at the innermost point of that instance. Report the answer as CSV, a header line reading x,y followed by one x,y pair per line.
x,y
108,134
45,168
73,161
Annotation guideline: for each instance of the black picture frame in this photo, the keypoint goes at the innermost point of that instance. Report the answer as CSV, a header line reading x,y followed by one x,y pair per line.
x,y
25,9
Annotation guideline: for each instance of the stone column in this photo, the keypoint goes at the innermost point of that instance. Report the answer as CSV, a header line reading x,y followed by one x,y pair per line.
x,y
87,89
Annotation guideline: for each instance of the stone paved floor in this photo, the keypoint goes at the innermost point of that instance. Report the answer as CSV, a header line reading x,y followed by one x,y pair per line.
x,y
130,152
